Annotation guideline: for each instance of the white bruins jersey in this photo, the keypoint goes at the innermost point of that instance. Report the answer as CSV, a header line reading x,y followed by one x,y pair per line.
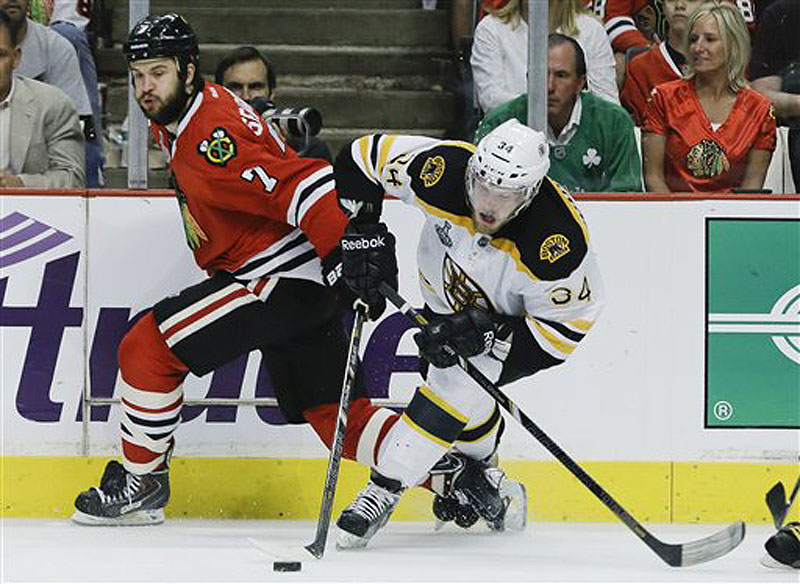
x,y
538,267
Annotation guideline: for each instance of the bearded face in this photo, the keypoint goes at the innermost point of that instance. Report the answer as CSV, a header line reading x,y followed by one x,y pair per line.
x,y
160,89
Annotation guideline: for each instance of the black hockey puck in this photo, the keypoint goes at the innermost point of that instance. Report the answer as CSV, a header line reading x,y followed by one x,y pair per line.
x,y
286,566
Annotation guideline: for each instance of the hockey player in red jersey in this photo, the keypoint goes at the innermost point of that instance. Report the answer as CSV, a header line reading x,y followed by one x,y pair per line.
x,y
265,226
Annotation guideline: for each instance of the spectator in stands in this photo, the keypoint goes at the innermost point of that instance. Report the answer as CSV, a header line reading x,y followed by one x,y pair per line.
x,y
620,20
41,144
70,18
709,131
775,69
48,57
250,76
592,144
663,62
500,50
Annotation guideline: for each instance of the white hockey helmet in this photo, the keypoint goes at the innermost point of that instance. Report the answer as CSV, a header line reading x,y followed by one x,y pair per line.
x,y
512,160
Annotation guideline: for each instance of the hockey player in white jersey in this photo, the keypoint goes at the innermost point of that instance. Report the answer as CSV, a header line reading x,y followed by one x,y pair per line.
x,y
508,279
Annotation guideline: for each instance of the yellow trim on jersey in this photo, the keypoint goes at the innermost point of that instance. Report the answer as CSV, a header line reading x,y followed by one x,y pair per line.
x,y
509,247
468,146
581,323
443,405
383,154
572,209
420,430
424,281
560,344
363,147
460,220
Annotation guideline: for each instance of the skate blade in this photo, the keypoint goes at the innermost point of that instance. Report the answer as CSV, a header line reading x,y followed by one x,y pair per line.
x,y
769,562
140,517
349,541
516,518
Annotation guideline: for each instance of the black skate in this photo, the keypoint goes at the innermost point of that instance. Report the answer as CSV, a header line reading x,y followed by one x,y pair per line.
x,y
468,489
368,512
124,498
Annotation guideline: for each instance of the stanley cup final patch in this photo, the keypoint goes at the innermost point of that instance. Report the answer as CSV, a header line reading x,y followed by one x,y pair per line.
x,y
554,247
219,148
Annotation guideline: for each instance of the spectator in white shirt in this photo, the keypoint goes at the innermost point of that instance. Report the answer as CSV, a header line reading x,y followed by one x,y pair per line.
x,y
500,50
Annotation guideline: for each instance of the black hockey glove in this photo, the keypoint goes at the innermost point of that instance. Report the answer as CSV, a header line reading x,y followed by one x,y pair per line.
x,y
368,258
467,333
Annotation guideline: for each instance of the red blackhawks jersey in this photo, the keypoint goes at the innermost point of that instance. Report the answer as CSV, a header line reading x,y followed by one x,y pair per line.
x,y
697,156
249,204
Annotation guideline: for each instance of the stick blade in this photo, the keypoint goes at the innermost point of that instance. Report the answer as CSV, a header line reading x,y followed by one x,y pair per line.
x,y
712,547
776,503
280,552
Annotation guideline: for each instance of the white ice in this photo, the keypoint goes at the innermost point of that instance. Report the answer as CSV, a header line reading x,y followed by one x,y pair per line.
x,y
195,550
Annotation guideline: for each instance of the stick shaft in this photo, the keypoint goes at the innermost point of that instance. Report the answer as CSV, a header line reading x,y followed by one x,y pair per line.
x,y
317,547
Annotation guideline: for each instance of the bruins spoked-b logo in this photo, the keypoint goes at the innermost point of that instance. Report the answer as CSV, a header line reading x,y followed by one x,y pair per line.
x,y
432,171
460,290
706,159
218,149
554,247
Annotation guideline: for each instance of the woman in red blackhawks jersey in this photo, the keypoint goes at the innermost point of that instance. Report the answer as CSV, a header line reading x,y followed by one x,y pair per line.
x,y
265,226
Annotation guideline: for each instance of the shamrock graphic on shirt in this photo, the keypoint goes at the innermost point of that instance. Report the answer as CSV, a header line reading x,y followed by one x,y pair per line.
x,y
591,158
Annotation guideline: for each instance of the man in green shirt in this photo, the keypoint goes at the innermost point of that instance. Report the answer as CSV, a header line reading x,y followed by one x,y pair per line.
x,y
592,144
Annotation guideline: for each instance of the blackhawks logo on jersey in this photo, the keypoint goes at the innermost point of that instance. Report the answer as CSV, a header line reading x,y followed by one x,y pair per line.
x,y
195,236
554,247
460,290
218,149
432,171
707,159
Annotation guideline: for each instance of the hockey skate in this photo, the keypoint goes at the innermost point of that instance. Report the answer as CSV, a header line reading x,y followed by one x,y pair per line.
x,y
369,512
468,489
124,498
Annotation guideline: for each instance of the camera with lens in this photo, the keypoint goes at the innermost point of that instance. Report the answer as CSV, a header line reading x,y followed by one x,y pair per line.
x,y
297,124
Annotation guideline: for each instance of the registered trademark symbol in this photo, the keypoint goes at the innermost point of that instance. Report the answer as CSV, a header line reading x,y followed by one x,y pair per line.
x,y
723,410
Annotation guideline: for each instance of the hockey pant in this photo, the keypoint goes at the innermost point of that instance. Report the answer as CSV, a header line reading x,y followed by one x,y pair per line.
x,y
297,326
449,409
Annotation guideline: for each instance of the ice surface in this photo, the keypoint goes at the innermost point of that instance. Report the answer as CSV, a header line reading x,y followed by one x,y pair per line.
x,y
195,550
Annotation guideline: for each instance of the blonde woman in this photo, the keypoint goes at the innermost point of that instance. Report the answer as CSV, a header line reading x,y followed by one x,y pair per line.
x,y
709,131
500,49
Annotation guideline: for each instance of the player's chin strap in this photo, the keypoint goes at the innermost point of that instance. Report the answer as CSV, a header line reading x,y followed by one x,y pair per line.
x,y
686,554
317,547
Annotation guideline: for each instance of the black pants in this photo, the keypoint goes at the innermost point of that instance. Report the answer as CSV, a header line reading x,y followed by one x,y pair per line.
x,y
296,324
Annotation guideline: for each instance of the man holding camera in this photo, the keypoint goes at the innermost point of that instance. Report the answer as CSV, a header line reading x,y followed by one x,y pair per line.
x,y
250,76
265,225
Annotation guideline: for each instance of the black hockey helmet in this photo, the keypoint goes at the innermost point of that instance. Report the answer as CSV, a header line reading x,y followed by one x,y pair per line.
x,y
784,546
168,35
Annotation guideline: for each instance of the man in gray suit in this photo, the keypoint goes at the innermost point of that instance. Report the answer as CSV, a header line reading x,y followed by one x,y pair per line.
x,y
41,142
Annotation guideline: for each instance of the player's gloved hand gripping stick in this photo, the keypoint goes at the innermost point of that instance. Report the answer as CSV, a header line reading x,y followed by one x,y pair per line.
x,y
687,554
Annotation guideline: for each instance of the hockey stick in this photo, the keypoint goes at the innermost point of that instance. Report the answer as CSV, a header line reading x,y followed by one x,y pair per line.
x,y
687,554
777,503
317,547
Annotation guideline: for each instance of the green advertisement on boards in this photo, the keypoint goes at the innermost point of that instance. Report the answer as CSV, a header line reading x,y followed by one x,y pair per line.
x,y
752,323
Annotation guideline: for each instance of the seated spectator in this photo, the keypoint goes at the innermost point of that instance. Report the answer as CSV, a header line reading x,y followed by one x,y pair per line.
x,y
664,62
250,76
48,57
592,145
70,18
709,132
500,50
619,19
41,143
775,69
